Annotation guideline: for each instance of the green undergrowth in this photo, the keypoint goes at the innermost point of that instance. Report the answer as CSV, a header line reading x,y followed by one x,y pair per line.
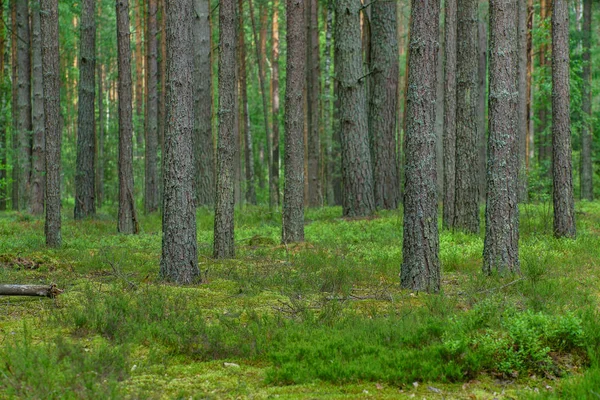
x,y
322,319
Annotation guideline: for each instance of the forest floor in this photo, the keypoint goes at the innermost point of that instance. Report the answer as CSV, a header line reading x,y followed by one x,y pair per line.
x,y
323,319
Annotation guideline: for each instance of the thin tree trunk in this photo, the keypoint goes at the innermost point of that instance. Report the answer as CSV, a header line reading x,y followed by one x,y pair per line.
x,y
587,170
85,202
501,248
51,73
530,61
15,117
523,95
139,74
314,144
293,192
357,170
100,137
482,97
203,137
449,115
162,89
327,108
179,261
151,122
37,114
543,136
564,204
128,223
467,178
421,265
3,112
245,127
274,99
384,99
224,207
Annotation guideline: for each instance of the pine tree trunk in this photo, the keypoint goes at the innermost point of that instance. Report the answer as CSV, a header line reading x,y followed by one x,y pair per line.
x,y
179,261
274,99
14,100
357,170
85,202
542,110
523,95
244,123
139,74
293,192
127,216
3,112
421,264
315,197
100,137
564,204
203,138
224,207
482,98
327,108
151,117
501,248
587,170
383,104
466,208
51,73
23,107
37,114
449,114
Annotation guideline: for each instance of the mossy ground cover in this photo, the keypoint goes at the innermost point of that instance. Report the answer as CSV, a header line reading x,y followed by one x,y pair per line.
x,y
323,319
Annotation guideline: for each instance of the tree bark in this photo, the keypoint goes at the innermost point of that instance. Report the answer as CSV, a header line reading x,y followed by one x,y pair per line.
x,y
482,98
466,206
224,207
327,109
357,170
274,100
449,114
315,196
564,204
51,73
85,202
203,137
179,262
128,223
100,137
501,247
542,110
587,169
30,290
523,95
384,101
139,71
14,100
4,123
37,114
293,192
421,265
151,117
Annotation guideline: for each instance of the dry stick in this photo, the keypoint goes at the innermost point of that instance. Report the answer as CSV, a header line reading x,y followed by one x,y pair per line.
x,y
30,290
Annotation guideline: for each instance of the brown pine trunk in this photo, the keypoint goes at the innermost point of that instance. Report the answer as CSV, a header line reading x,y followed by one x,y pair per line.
x,y
530,61
139,74
587,169
564,204
100,137
523,95
312,88
85,202
15,117
421,265
37,114
293,192
162,77
245,127
482,97
274,98
3,120
128,223
151,121
543,137
327,108
51,73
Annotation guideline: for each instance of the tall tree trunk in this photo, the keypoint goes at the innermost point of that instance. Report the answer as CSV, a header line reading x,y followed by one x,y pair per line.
x,y
501,248
530,144
587,170
523,95
15,117
421,264
449,114
179,261
384,99
564,204
466,208
3,114
100,137
162,78
139,71
224,207
327,108
543,136
37,114
128,223
23,106
51,73
315,197
357,170
293,192
203,137
85,202
482,98
274,99
245,127
151,122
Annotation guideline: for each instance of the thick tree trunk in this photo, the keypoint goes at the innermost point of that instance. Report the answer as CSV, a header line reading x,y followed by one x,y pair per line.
x,y
587,170
100,138
315,196
224,207
501,248
179,261
421,264
51,73
564,204
128,223
37,114
523,95
466,207
85,202
203,138
449,115
151,121
384,101
293,192
274,101
23,157
357,170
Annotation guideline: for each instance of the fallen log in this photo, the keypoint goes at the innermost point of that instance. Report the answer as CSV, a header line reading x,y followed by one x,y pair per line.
x,y
30,290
